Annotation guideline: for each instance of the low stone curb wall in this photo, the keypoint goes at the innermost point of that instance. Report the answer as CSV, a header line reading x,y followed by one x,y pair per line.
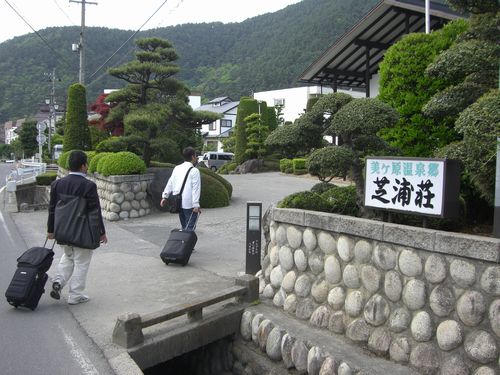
x,y
424,298
121,197
280,345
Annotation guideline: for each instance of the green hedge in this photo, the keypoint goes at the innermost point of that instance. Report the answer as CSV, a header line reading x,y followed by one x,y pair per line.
x,y
299,172
159,164
213,192
63,160
321,187
121,163
90,156
286,165
342,200
226,168
219,178
299,163
306,200
95,161
46,178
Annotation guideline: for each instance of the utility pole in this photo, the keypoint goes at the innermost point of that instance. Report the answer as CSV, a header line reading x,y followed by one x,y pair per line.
x,y
81,47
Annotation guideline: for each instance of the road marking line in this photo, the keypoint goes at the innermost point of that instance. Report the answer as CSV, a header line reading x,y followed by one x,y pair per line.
x,y
80,357
2,220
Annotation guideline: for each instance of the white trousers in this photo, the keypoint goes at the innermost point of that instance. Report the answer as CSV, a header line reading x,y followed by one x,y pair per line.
x,y
72,269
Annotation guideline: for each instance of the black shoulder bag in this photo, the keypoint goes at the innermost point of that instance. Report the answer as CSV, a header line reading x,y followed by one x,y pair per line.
x,y
174,201
75,224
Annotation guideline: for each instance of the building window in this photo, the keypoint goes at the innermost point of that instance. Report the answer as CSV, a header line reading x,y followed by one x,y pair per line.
x,y
279,101
212,126
226,123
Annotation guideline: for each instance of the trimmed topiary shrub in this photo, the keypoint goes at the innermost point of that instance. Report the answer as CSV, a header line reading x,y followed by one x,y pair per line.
x,y
331,161
213,192
226,168
46,178
90,156
219,178
342,200
113,144
95,161
286,165
121,163
159,164
270,165
306,200
76,131
299,163
321,187
63,160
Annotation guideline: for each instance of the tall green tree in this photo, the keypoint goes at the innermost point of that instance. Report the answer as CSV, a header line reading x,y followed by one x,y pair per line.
x,y
246,107
405,87
357,123
471,98
257,132
76,131
27,138
154,105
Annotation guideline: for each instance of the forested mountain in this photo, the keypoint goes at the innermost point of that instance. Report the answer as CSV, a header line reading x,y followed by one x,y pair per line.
x,y
261,53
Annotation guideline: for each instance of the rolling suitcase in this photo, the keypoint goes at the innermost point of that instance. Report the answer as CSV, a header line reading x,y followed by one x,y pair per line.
x,y
179,246
27,284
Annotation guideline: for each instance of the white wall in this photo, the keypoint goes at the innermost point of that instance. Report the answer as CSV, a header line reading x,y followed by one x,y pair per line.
x,y
296,98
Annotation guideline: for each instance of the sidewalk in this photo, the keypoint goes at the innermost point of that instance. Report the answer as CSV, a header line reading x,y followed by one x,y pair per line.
x,y
127,275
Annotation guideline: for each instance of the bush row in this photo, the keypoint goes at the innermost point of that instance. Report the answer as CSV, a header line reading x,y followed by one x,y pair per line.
x,y
46,178
296,166
325,198
109,163
216,191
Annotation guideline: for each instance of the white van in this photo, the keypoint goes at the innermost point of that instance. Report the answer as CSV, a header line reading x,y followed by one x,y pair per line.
x,y
214,160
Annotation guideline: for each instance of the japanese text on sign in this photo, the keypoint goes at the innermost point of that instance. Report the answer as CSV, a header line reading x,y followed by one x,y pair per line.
x,y
414,185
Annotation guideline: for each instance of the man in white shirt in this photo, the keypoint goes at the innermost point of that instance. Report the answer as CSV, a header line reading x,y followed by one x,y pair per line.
x,y
191,193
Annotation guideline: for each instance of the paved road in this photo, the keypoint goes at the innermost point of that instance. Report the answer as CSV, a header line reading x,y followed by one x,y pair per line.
x,y
49,338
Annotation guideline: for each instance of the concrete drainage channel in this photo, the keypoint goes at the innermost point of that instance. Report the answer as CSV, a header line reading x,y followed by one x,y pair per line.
x,y
242,338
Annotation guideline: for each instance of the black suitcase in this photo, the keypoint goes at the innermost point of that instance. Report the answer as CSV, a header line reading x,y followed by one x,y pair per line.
x,y
179,246
28,282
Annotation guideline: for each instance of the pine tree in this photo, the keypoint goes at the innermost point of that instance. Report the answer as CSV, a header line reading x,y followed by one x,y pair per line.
x,y
154,105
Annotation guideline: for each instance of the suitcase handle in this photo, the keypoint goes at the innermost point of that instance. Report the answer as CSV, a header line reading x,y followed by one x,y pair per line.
x,y
53,244
189,220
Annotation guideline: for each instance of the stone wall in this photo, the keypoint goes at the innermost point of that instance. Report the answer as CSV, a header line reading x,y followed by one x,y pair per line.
x,y
424,298
121,197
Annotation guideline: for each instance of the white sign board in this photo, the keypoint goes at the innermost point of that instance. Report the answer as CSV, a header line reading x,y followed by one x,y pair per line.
x,y
405,184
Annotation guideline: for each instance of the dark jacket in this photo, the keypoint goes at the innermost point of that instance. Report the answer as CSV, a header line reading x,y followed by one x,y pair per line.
x,y
75,185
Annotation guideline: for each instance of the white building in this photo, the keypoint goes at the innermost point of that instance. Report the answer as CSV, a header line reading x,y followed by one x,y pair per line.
x,y
294,100
214,133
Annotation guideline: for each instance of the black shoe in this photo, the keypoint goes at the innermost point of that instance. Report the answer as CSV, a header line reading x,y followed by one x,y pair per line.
x,y
56,291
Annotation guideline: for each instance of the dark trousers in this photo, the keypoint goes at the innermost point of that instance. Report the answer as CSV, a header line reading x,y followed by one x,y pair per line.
x,y
188,219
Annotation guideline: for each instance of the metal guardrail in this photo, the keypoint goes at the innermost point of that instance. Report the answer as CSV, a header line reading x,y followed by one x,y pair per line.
x,y
128,327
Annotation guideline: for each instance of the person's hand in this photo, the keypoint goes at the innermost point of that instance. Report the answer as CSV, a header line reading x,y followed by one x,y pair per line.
x,y
197,210
104,239
163,202
50,236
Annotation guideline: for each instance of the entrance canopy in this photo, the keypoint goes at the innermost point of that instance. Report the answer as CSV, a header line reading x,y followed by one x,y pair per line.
x,y
354,58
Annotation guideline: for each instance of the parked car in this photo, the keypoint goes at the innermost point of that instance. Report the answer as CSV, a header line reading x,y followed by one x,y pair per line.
x,y
214,159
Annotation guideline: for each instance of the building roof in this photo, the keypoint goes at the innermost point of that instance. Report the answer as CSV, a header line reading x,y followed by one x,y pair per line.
x,y
355,56
223,108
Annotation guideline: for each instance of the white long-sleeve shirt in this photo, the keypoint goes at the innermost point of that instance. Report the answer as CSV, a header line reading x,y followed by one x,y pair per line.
x,y
192,189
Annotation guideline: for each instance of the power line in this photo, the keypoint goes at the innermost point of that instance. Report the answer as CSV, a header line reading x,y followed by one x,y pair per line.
x,y
38,34
63,12
134,34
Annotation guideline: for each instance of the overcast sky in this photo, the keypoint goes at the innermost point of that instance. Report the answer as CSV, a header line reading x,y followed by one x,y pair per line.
x,y
127,14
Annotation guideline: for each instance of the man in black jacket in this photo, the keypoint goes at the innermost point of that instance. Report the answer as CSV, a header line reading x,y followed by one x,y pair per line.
x,y
75,261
